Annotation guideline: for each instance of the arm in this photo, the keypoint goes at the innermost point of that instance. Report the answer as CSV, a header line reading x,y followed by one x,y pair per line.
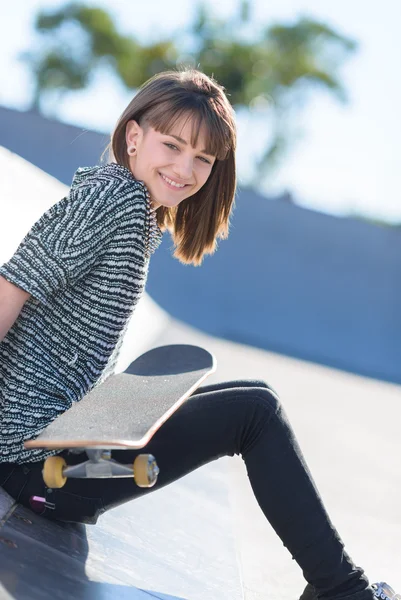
x,y
12,299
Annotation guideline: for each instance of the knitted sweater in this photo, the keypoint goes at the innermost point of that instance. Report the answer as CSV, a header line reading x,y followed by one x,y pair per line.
x,y
85,264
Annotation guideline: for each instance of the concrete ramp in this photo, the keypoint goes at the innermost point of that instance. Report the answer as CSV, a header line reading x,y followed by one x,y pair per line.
x,y
349,430
174,544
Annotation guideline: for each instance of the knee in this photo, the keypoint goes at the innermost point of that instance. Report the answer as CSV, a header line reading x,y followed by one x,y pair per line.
x,y
261,407
266,397
261,383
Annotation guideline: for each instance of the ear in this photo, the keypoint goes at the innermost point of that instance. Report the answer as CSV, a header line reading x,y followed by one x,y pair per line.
x,y
133,133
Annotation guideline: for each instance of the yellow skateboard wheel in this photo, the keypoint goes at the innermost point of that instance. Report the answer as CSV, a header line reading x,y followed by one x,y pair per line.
x,y
145,470
53,469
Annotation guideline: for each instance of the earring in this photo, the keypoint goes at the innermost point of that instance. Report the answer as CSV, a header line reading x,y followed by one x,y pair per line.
x,y
131,150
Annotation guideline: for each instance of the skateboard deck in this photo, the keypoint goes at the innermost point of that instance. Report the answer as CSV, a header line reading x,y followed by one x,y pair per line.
x,y
126,410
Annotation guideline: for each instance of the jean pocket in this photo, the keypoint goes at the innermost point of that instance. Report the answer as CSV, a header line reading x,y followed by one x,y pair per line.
x,y
72,508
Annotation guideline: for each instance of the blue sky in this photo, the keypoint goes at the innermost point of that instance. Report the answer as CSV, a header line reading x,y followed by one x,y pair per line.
x,y
349,158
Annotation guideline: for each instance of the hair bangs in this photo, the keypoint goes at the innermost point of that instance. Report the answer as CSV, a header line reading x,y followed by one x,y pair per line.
x,y
218,139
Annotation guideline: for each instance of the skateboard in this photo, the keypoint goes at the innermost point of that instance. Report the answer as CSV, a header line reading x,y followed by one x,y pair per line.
x,y
124,412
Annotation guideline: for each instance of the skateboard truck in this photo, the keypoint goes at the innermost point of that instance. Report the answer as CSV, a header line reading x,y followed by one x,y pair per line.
x,y
100,465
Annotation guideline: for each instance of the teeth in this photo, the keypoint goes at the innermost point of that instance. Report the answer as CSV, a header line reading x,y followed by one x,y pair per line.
x,y
178,185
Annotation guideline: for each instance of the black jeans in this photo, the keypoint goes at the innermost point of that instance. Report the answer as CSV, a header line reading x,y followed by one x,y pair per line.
x,y
239,417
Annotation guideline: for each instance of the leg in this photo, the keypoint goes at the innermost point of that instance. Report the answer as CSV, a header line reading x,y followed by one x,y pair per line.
x,y
249,421
80,500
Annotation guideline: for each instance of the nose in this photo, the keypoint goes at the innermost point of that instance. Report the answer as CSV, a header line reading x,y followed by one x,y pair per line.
x,y
183,167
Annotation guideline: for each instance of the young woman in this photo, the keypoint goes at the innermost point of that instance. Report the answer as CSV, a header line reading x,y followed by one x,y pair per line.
x,y
68,292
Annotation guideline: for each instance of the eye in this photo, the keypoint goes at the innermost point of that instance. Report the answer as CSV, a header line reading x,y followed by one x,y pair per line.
x,y
174,147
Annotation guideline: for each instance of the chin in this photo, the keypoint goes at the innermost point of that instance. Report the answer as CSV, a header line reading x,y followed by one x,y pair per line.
x,y
171,204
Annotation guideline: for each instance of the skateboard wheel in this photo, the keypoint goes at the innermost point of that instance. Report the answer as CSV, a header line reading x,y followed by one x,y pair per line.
x,y
53,472
145,470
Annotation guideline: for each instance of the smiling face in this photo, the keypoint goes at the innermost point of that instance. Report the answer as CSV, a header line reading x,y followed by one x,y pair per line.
x,y
170,167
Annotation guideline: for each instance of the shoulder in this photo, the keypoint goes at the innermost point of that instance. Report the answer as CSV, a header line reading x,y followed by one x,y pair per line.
x,y
108,194
107,189
106,177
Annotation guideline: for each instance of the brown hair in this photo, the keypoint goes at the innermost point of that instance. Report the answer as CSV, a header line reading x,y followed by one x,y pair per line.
x,y
198,221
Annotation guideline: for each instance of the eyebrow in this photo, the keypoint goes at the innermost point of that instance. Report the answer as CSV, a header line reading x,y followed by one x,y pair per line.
x,y
186,144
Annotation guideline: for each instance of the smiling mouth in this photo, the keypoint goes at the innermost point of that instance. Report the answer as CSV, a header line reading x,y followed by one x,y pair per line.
x,y
171,185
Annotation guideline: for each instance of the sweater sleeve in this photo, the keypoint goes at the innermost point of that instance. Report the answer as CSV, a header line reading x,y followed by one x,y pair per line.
x,y
68,239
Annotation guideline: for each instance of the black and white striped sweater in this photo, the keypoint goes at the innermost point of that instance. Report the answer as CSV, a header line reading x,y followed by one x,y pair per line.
x,y
85,263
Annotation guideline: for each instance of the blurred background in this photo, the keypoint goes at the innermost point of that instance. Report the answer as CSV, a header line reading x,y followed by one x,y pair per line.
x,y
319,78
305,291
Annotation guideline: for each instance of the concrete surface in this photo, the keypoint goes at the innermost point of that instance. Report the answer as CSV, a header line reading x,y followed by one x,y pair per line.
x,y
174,544
348,429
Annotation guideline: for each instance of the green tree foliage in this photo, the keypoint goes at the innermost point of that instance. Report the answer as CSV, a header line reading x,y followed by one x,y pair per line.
x,y
274,70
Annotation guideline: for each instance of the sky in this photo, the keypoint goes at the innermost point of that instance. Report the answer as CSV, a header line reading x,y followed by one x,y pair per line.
x,y
348,160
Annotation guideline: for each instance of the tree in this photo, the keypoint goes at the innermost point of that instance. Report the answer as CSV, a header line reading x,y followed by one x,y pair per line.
x,y
276,71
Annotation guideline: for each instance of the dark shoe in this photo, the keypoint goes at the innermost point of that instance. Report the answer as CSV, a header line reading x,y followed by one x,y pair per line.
x,y
381,590
385,592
